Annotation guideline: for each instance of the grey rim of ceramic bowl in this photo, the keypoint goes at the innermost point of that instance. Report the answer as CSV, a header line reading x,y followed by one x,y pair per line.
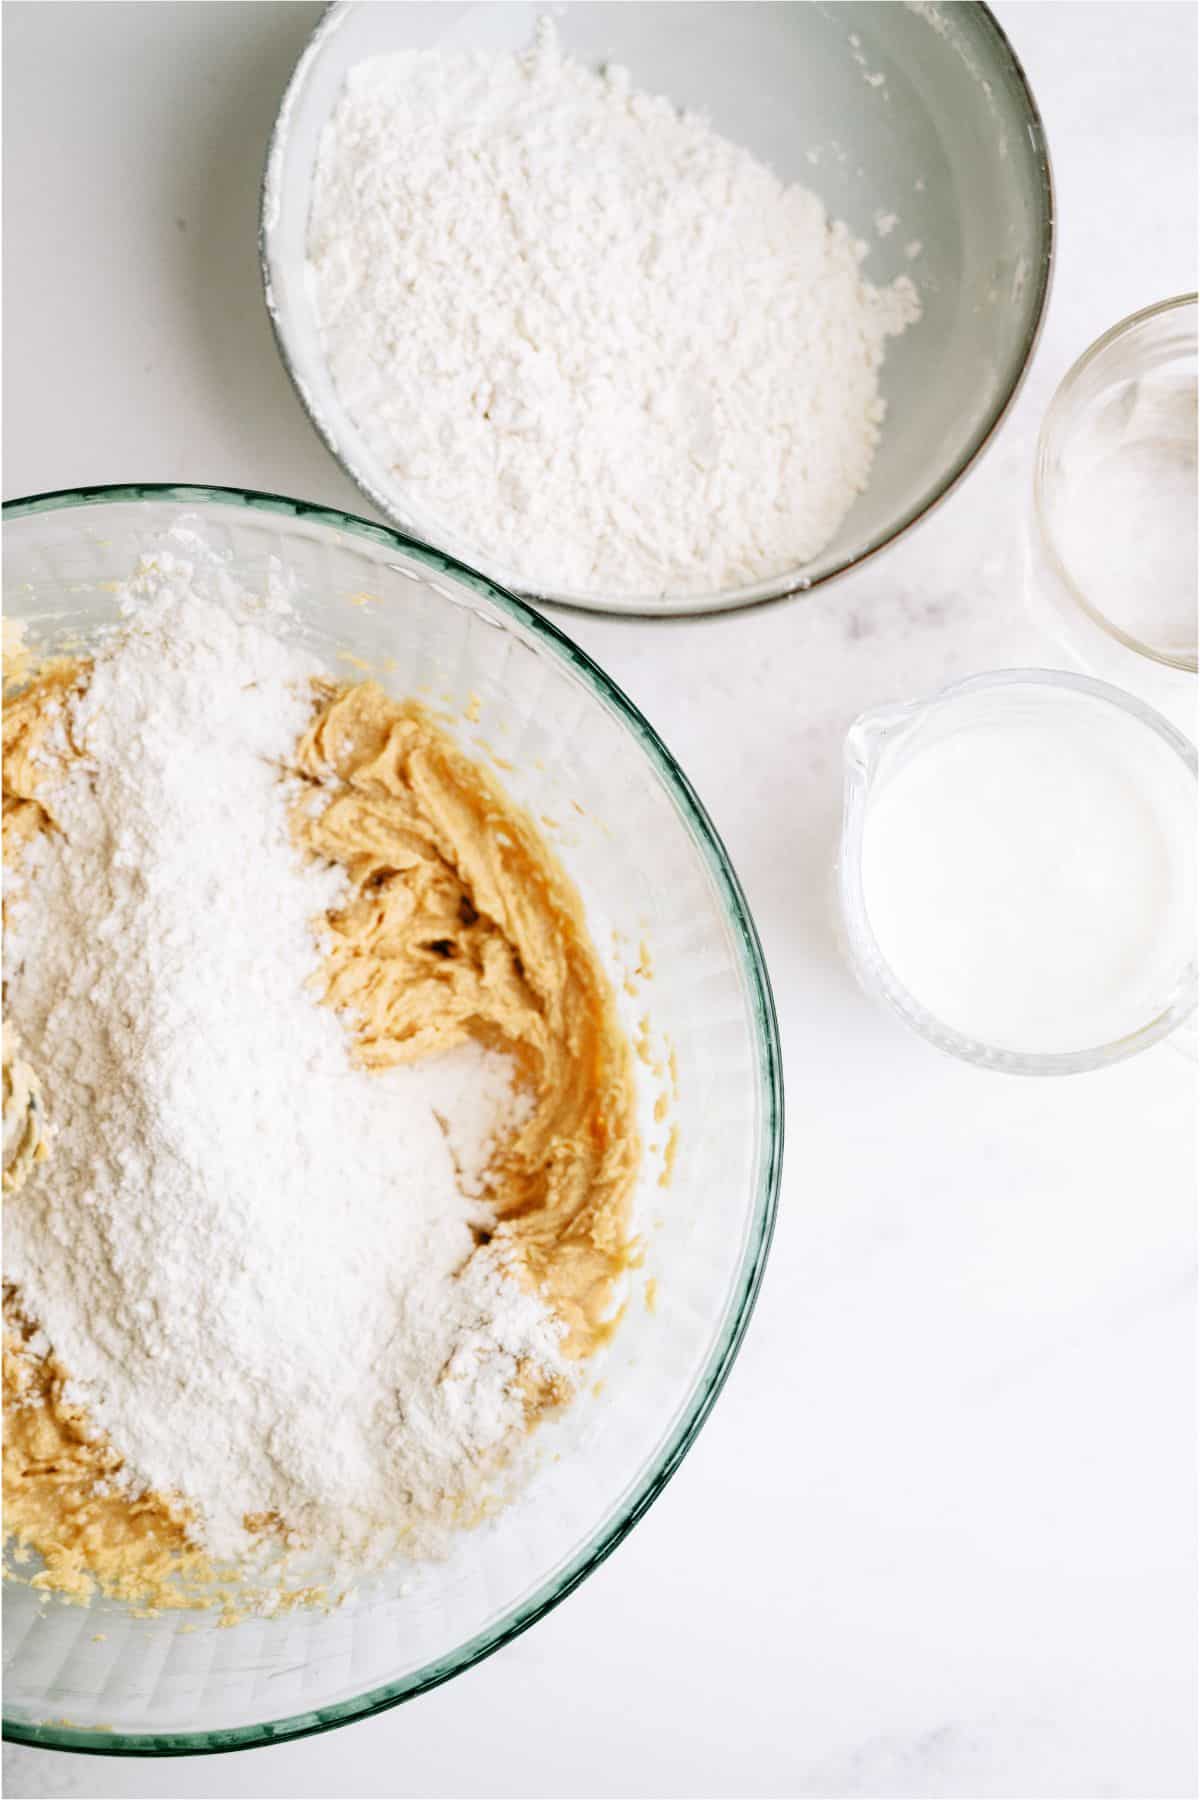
x,y
1049,544
795,583
870,965
770,1158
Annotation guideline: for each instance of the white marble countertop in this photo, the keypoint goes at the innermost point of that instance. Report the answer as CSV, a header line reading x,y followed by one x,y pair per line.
x,y
939,1536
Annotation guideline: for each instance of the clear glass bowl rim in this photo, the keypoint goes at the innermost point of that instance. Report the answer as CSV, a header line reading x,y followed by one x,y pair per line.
x,y
770,1149
1062,396
870,964
778,588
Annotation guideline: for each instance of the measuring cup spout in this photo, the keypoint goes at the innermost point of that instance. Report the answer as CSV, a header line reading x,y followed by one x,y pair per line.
x,y
871,732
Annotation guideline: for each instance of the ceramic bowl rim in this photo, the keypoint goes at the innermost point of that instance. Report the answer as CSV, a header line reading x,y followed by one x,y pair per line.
x,y
719,605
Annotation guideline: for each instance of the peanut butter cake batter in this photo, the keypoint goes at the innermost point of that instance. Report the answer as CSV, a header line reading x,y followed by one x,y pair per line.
x,y
320,1132
461,923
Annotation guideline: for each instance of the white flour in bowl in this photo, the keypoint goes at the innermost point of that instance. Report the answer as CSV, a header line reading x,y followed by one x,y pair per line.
x,y
255,1260
591,337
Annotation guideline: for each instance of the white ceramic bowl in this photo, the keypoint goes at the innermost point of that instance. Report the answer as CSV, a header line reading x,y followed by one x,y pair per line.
x,y
918,111
649,866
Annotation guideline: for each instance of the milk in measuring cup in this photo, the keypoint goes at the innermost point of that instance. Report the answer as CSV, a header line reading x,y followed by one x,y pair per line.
x,y
1028,868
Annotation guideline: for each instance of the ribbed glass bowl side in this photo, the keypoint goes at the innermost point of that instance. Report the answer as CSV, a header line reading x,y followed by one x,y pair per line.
x,y
651,868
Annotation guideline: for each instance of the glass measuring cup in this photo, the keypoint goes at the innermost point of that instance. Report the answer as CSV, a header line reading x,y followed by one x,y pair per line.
x,y
1104,736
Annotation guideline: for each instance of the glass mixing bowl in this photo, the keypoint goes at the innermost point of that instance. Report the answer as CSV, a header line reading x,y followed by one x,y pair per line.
x,y
651,869
914,124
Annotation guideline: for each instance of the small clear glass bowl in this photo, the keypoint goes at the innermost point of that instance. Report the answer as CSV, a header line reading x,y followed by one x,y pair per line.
x,y
875,745
651,869
915,125
1111,402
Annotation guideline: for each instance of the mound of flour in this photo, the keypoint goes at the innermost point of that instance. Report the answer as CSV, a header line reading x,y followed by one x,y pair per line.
x,y
584,333
256,1261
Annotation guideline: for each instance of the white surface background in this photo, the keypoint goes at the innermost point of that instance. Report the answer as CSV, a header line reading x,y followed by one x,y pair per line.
x,y
939,1537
